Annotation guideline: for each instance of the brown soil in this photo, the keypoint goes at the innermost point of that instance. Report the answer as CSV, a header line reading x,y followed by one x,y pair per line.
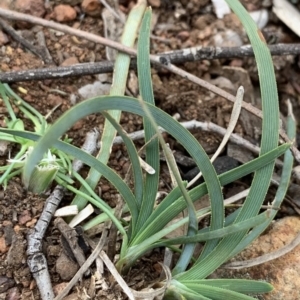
x,y
195,25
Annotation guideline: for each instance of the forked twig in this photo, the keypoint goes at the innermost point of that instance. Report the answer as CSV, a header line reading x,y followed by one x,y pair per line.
x,y
176,57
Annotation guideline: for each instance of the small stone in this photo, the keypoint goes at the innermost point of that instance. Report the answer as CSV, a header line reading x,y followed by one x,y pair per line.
x,y
73,296
3,38
32,285
6,283
158,268
65,267
92,7
64,13
24,217
154,3
33,7
7,223
105,188
31,223
70,61
8,234
6,4
183,35
54,100
30,7
25,283
58,288
17,229
3,246
53,250
16,251
13,294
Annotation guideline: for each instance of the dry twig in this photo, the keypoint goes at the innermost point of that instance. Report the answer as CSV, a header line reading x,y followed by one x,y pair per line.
x,y
176,57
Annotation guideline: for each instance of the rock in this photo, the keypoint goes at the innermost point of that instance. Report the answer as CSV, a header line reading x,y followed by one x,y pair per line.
x,y
221,164
31,7
3,245
24,217
70,61
228,38
92,7
70,2
31,223
284,272
54,100
64,13
95,89
154,3
3,147
183,35
65,267
6,283
58,288
6,4
3,38
13,294
16,253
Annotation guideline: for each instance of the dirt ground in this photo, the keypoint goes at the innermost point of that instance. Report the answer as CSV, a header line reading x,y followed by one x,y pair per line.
x,y
178,25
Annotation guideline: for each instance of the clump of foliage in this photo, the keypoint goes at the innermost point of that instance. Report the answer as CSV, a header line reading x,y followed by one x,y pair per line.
x,y
148,225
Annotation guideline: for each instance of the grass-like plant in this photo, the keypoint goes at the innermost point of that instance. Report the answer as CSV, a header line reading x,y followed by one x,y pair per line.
x,y
54,164
148,226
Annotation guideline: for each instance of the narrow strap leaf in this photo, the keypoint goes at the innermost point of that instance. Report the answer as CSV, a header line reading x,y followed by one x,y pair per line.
x,y
152,145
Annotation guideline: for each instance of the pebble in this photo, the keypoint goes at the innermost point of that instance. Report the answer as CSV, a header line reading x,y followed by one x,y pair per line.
x,y
6,4
34,8
64,13
183,35
24,217
13,294
3,38
154,3
3,245
221,164
70,61
70,2
92,7
54,100
16,252
105,188
6,283
31,223
65,267
53,250
58,288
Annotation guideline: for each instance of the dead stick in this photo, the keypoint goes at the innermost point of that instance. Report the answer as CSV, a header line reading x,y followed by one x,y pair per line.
x,y
175,57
